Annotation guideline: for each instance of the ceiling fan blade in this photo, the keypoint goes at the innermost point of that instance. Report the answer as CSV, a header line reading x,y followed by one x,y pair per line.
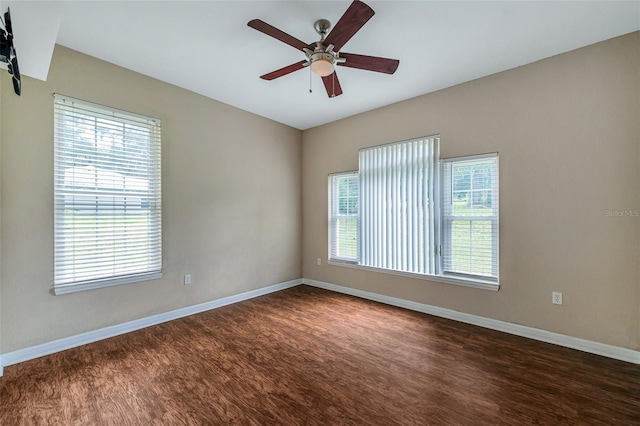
x,y
284,71
353,19
332,84
272,31
370,63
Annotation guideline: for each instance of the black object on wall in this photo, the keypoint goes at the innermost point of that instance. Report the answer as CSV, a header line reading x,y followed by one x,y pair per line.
x,y
8,52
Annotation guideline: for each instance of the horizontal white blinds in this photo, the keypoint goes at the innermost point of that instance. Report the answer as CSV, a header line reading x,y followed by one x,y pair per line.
x,y
470,216
344,221
107,194
397,195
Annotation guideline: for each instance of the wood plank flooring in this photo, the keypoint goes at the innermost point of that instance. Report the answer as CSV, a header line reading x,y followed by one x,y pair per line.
x,y
306,356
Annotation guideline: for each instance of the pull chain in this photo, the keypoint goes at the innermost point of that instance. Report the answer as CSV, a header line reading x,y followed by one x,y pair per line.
x,y
333,84
310,91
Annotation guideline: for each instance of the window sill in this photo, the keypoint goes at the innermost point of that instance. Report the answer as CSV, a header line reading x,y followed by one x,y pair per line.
x,y
466,282
92,285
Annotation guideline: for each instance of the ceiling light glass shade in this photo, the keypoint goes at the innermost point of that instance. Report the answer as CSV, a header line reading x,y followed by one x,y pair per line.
x,y
322,67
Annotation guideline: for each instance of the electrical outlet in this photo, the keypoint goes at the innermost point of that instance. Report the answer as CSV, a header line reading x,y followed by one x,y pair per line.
x,y
319,261
556,298
187,279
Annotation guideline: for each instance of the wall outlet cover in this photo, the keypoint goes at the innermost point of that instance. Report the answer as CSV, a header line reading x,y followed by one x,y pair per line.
x,y
556,298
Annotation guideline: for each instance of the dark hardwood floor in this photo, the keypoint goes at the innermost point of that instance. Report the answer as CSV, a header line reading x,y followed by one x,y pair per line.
x,y
306,356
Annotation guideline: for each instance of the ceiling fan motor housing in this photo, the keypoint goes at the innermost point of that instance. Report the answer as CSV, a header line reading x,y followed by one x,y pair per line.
x,y
322,27
322,55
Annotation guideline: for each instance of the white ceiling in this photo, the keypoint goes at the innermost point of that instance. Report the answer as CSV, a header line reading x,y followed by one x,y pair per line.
x,y
207,47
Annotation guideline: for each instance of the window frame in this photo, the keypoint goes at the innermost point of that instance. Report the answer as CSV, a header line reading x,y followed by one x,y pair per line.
x,y
333,205
444,247
150,203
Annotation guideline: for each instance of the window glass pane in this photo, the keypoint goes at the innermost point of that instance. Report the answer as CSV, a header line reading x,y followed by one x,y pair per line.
x,y
461,178
472,246
481,203
347,238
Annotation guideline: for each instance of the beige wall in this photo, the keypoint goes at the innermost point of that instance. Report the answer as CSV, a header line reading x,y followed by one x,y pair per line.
x,y
231,202
567,131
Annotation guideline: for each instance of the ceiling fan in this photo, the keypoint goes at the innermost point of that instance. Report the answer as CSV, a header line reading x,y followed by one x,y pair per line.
x,y
324,54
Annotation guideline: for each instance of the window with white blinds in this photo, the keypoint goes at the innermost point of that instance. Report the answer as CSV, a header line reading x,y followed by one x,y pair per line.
x,y
107,196
470,216
407,212
397,193
344,220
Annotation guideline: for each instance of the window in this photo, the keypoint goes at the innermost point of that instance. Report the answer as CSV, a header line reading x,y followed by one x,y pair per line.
x,y
344,221
408,212
107,212
470,216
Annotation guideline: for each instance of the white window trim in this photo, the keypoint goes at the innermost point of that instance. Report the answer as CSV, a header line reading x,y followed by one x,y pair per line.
x,y
447,279
107,282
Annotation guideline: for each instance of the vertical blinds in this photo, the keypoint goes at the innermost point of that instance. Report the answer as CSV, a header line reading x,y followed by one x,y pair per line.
x,y
107,196
470,216
344,221
397,210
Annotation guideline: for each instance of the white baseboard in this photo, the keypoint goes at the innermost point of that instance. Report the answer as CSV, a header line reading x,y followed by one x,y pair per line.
x,y
609,351
32,352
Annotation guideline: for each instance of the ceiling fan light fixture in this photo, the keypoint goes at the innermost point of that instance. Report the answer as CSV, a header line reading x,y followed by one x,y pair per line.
x,y
322,67
322,63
